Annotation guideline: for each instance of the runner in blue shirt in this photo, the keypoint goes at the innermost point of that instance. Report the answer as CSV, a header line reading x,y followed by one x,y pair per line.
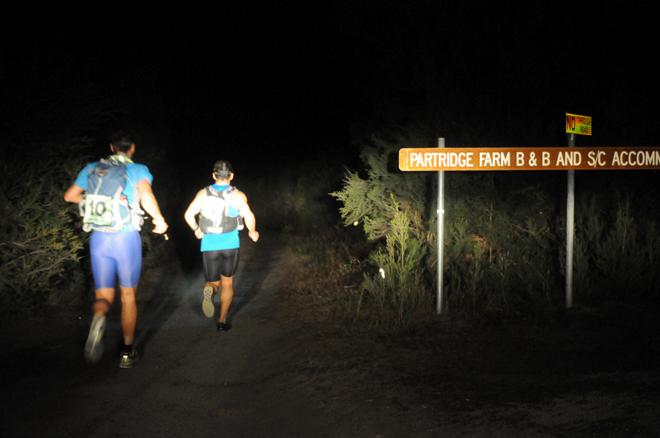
x,y
118,253
222,209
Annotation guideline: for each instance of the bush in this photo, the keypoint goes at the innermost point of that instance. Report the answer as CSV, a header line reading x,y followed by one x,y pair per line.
x,y
504,249
616,254
390,209
501,250
500,244
39,246
398,290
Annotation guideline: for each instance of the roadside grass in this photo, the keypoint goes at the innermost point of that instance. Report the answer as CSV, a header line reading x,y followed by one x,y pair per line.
x,y
458,364
336,280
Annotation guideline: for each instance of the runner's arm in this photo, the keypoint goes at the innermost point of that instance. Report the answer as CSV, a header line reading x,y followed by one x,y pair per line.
x,y
150,204
74,194
248,216
193,210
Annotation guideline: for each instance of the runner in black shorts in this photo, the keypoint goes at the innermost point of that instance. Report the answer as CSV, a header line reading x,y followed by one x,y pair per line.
x,y
223,262
220,207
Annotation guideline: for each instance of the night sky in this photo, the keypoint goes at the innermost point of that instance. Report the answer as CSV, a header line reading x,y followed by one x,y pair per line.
x,y
266,86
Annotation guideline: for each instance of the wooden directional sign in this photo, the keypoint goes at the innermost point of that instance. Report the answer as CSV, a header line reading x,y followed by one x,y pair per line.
x,y
577,124
528,158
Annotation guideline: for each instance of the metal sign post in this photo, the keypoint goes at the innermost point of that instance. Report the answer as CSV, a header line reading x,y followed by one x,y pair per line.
x,y
570,228
441,229
581,125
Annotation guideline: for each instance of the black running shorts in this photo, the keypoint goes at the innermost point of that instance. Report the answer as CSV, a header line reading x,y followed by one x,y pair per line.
x,y
223,262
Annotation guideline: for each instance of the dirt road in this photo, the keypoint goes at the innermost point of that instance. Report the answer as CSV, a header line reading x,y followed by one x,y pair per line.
x,y
191,380
260,379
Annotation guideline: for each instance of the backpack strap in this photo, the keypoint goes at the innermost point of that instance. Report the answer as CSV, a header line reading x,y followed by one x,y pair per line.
x,y
210,191
121,159
228,191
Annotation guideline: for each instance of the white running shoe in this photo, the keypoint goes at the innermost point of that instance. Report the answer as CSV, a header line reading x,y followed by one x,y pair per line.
x,y
94,343
207,303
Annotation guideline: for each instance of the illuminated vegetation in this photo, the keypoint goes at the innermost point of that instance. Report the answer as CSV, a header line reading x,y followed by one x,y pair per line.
x,y
40,247
504,243
390,209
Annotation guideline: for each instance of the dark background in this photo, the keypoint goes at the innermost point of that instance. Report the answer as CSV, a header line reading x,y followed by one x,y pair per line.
x,y
282,90
285,81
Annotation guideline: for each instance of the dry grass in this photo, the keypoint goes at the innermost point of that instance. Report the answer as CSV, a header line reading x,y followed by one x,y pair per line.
x,y
461,368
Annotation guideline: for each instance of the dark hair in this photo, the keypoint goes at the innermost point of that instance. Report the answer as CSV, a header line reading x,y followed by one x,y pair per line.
x,y
121,141
222,169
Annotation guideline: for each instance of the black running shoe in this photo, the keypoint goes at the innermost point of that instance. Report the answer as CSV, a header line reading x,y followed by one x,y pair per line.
x,y
223,326
128,358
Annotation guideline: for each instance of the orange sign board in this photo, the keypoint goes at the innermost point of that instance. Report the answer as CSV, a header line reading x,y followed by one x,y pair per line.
x,y
528,158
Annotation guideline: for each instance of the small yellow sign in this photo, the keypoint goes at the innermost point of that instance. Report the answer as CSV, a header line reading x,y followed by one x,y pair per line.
x,y
576,124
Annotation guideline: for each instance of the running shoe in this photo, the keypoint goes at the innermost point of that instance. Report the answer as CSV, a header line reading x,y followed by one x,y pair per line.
x,y
128,358
222,326
207,303
94,343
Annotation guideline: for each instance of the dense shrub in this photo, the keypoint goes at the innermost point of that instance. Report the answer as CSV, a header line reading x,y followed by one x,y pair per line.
x,y
501,250
504,246
617,251
39,246
390,209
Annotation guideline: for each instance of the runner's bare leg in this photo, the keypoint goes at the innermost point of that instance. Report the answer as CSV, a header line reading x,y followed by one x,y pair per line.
x,y
214,284
226,296
128,314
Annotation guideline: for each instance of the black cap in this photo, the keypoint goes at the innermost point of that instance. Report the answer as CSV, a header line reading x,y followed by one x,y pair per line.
x,y
222,169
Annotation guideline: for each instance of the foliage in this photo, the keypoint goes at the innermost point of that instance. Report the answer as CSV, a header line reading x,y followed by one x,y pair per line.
x,y
39,247
500,249
616,251
399,290
504,243
390,209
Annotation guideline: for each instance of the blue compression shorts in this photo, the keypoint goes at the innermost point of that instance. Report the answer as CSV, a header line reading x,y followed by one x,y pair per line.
x,y
116,255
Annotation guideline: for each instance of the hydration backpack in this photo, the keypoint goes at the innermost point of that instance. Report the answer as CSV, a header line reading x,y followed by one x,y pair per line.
x,y
105,208
214,217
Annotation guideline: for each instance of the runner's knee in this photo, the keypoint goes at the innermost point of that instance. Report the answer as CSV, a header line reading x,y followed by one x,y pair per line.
x,y
127,295
101,305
